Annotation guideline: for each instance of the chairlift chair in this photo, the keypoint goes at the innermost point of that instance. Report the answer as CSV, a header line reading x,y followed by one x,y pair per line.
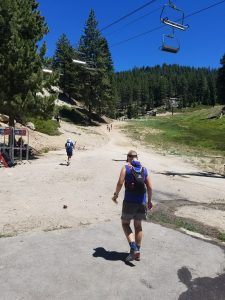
x,y
170,48
45,70
170,7
77,61
91,69
91,66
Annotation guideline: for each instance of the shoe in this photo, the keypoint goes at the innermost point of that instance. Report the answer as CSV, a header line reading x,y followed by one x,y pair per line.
x,y
138,256
133,255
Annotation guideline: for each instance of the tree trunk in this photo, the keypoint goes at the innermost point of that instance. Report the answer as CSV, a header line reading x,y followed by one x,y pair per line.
x,y
89,112
11,120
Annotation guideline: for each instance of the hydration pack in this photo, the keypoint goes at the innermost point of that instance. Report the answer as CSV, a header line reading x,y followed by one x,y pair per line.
x,y
137,184
69,146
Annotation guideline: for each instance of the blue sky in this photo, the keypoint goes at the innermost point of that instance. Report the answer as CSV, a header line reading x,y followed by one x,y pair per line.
x,y
202,45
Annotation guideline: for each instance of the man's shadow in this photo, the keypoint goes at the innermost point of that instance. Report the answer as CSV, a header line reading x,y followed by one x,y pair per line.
x,y
63,164
112,255
201,288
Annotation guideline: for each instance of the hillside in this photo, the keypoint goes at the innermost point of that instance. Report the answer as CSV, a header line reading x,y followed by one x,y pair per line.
x,y
198,134
50,135
74,111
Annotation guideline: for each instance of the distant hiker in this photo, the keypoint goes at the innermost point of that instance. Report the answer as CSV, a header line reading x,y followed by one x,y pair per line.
x,y
111,126
137,199
70,146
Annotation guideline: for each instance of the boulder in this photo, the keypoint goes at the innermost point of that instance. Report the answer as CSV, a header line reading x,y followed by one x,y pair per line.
x,y
217,112
223,110
4,118
30,125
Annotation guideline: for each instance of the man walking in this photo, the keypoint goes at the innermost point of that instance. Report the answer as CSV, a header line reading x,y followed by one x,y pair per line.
x,y
69,145
137,199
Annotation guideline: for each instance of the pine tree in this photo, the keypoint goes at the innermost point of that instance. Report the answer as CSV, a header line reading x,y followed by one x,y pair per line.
x,y
63,63
189,85
106,88
212,89
221,82
21,76
98,91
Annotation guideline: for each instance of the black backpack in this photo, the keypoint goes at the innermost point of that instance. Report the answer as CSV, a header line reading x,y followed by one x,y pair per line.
x,y
137,185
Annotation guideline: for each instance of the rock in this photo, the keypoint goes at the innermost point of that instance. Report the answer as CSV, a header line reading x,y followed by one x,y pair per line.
x,y
4,118
217,112
30,125
223,110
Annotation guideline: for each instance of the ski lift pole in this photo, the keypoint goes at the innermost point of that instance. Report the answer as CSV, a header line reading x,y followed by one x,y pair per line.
x,y
4,143
12,134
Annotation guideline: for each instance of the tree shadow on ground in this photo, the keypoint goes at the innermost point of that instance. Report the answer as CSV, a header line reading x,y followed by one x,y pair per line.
x,y
201,288
200,174
111,255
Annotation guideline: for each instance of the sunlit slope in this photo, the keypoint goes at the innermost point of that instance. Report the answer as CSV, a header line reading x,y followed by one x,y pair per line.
x,y
190,131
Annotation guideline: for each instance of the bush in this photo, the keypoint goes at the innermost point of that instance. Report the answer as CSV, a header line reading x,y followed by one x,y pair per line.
x,y
49,127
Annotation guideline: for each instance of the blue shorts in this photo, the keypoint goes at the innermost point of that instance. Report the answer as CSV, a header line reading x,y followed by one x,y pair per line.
x,y
69,153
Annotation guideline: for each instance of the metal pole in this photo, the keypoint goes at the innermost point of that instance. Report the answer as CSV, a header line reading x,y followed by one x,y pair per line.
x,y
27,153
4,143
21,147
12,144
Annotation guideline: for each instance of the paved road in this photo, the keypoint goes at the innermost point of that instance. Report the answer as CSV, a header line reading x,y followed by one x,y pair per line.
x,y
87,263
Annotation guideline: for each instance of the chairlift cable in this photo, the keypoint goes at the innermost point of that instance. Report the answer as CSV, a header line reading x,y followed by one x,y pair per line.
x,y
128,15
138,35
134,21
203,9
159,27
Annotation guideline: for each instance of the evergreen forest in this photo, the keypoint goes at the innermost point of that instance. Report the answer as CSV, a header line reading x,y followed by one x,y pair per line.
x,y
86,73
143,89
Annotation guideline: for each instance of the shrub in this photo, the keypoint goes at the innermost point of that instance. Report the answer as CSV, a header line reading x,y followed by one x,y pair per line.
x,y
49,127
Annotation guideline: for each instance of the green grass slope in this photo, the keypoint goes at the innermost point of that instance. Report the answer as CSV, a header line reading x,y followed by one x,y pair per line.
x,y
185,132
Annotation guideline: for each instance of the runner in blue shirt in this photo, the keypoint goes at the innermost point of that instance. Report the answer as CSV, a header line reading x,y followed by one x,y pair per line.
x,y
137,200
69,145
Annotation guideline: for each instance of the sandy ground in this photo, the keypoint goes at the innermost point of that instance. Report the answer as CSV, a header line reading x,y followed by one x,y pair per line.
x,y
204,215
33,194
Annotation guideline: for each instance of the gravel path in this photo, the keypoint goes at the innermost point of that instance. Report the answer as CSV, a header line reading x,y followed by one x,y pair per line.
x,y
33,194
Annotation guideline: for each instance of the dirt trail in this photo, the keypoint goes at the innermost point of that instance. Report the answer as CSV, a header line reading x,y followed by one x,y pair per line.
x,y
33,194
